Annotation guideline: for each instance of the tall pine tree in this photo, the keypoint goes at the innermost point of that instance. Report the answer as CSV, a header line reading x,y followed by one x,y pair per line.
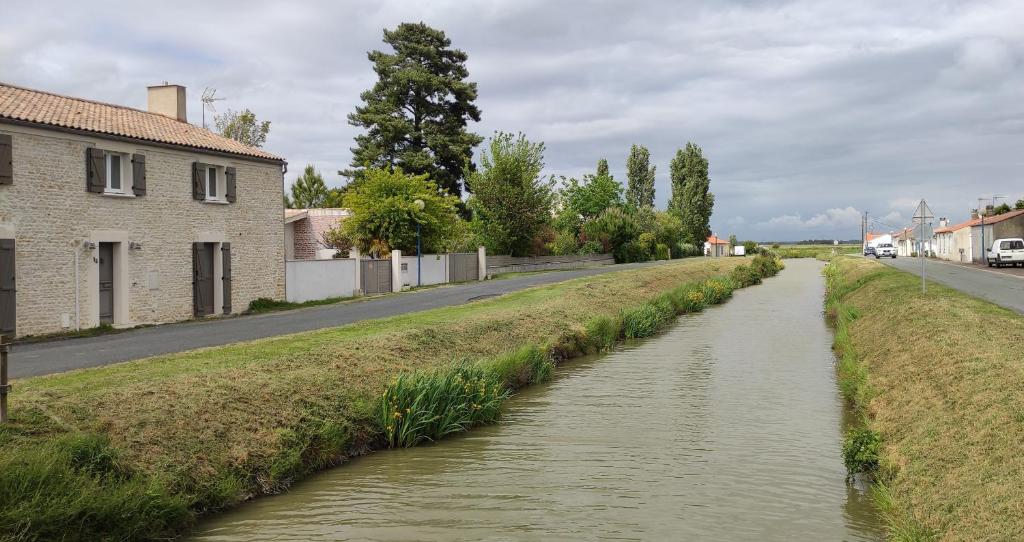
x,y
640,178
415,116
697,201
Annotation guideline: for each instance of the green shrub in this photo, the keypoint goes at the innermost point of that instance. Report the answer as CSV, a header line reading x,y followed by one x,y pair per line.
x,y
686,250
861,447
645,320
716,290
603,331
766,265
429,405
661,252
528,365
744,276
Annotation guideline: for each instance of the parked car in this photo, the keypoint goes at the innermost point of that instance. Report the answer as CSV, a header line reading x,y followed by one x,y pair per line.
x,y
885,250
1006,252
869,251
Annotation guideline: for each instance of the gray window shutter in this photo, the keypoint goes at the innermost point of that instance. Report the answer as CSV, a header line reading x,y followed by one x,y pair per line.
x,y
198,306
229,176
8,304
225,250
6,160
198,181
96,170
139,174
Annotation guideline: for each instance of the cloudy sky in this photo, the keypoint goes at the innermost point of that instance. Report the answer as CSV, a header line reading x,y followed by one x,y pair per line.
x,y
810,112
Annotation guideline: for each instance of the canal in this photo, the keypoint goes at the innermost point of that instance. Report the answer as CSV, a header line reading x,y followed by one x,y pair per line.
x,y
725,427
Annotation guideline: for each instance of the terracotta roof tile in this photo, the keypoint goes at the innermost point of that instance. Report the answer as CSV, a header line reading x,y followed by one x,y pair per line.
x,y
45,108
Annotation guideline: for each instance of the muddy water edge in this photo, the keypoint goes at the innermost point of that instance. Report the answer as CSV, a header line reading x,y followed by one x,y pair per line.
x,y
725,427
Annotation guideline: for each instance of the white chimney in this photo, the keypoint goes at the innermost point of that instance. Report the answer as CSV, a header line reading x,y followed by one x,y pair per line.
x,y
168,100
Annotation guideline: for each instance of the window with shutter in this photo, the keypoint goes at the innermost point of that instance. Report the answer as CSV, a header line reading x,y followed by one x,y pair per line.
x,y
139,174
225,250
8,301
229,192
198,181
95,170
6,159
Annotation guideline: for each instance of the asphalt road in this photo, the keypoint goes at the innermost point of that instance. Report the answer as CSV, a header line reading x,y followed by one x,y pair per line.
x,y
57,356
1000,288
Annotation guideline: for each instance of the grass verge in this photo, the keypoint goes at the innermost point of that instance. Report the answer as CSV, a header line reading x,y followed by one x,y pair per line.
x,y
139,450
938,381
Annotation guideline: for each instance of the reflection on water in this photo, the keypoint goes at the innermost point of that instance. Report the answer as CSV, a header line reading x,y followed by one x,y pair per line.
x,y
726,427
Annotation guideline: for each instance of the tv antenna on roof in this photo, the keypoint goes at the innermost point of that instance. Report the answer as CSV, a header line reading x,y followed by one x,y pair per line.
x,y
208,99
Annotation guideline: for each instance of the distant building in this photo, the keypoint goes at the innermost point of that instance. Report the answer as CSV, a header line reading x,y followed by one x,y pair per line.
x,y
715,247
304,230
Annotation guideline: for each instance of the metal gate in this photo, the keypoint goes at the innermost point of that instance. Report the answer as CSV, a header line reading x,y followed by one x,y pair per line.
x,y
375,276
463,266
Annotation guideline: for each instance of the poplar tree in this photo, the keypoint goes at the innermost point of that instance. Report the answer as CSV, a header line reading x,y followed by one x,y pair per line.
x,y
415,116
640,178
696,202
677,179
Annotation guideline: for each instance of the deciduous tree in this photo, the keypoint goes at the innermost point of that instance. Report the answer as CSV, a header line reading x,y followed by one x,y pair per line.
x,y
243,127
511,201
639,177
385,214
697,201
415,116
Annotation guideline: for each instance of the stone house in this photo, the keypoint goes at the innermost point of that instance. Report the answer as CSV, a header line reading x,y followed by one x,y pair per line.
x,y
114,215
304,230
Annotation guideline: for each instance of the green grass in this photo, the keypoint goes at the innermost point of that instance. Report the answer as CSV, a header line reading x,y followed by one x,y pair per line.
x,y
139,450
814,251
263,304
935,380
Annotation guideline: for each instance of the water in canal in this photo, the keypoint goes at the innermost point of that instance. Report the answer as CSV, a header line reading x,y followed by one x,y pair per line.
x,y
725,427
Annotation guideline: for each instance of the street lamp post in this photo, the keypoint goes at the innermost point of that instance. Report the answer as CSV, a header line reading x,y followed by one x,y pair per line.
x,y
419,252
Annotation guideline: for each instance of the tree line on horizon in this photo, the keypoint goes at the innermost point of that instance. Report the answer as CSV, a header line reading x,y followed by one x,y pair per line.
x,y
416,145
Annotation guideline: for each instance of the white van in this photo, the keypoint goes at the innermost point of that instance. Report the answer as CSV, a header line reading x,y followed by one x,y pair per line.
x,y
1006,252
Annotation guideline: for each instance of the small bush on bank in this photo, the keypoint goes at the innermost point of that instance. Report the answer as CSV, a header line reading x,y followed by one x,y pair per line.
x,y
645,320
528,365
861,447
744,276
602,332
429,405
716,291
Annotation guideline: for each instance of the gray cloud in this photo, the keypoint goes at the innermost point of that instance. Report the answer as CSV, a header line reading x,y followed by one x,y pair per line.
x,y
810,112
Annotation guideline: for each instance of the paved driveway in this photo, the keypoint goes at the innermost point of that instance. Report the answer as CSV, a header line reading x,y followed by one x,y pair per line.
x,y
65,355
1005,289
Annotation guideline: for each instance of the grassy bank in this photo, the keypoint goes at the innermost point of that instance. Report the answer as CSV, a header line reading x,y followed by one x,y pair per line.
x,y
822,252
139,450
938,379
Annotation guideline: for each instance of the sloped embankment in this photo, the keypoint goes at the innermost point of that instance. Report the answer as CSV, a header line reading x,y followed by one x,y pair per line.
x,y
139,450
939,377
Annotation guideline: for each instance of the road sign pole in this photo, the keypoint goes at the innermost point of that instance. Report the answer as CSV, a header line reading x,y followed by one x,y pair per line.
x,y
922,215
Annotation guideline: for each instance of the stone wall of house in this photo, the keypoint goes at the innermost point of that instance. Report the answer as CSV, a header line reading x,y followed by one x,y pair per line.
x,y
50,213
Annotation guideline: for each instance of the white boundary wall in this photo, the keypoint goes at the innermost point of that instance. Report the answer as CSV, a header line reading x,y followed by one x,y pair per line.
x,y
309,280
435,269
